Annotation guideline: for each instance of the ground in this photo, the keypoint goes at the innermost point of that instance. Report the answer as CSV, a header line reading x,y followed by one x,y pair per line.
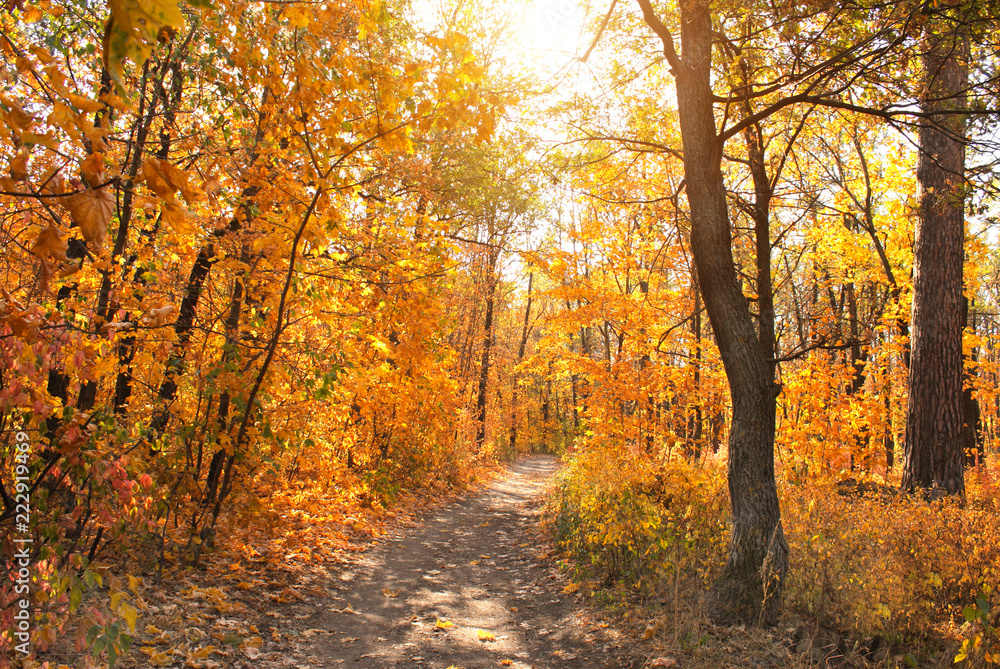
x,y
471,586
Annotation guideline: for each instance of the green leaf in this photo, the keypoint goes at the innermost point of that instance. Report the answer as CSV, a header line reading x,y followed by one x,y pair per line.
x,y
75,597
970,613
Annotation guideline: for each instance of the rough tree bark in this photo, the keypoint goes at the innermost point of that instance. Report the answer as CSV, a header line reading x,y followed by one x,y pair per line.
x,y
933,458
749,589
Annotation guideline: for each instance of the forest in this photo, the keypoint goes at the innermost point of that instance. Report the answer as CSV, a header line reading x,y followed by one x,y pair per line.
x,y
278,272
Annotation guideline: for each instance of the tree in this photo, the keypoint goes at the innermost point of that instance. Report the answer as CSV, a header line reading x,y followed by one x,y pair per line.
x,y
933,457
749,589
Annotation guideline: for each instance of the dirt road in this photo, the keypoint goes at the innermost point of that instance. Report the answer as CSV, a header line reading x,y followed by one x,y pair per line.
x,y
472,587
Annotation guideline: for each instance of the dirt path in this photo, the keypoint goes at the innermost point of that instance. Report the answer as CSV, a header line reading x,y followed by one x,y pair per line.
x,y
479,565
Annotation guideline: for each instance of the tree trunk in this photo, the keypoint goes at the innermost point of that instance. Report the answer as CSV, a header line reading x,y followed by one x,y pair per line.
x,y
972,418
749,589
484,367
185,324
932,455
525,329
695,429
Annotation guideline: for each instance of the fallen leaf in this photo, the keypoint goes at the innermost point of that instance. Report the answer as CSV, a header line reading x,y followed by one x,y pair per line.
x,y
390,593
201,653
444,624
159,659
662,662
485,636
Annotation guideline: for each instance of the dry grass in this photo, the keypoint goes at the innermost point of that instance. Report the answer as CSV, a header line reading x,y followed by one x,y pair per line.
x,y
880,579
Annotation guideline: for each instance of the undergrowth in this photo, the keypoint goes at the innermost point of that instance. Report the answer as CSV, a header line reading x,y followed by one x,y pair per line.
x,y
920,575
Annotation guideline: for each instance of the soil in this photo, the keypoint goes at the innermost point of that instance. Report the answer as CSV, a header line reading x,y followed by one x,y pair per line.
x,y
470,586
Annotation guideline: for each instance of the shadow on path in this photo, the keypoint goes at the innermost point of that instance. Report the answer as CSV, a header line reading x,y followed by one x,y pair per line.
x,y
479,564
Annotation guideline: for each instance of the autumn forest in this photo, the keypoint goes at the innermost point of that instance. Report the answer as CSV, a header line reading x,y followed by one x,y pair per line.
x,y
279,272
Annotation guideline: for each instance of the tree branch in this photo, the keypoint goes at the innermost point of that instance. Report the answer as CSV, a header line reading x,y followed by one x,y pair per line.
x,y
600,31
654,22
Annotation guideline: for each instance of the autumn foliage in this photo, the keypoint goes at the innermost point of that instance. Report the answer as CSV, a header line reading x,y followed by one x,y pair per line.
x,y
273,271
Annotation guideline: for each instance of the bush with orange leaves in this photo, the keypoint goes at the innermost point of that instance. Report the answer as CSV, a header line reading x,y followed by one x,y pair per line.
x,y
875,563
891,564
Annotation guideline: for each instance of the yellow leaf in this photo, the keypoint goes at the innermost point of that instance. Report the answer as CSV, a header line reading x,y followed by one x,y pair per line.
x,y
444,624
85,104
20,118
31,15
160,660
42,54
50,243
179,218
485,636
92,169
202,653
91,210
390,593
19,165
129,615
134,28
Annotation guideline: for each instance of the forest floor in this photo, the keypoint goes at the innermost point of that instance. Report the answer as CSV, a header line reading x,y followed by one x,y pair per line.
x,y
473,585
470,584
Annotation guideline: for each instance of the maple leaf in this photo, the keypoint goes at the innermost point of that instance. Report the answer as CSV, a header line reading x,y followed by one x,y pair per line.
x,y
166,179
19,165
20,118
92,169
444,624
133,30
91,210
50,244
24,325
485,636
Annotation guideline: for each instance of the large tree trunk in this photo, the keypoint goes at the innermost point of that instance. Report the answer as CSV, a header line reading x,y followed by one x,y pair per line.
x,y
933,458
749,589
